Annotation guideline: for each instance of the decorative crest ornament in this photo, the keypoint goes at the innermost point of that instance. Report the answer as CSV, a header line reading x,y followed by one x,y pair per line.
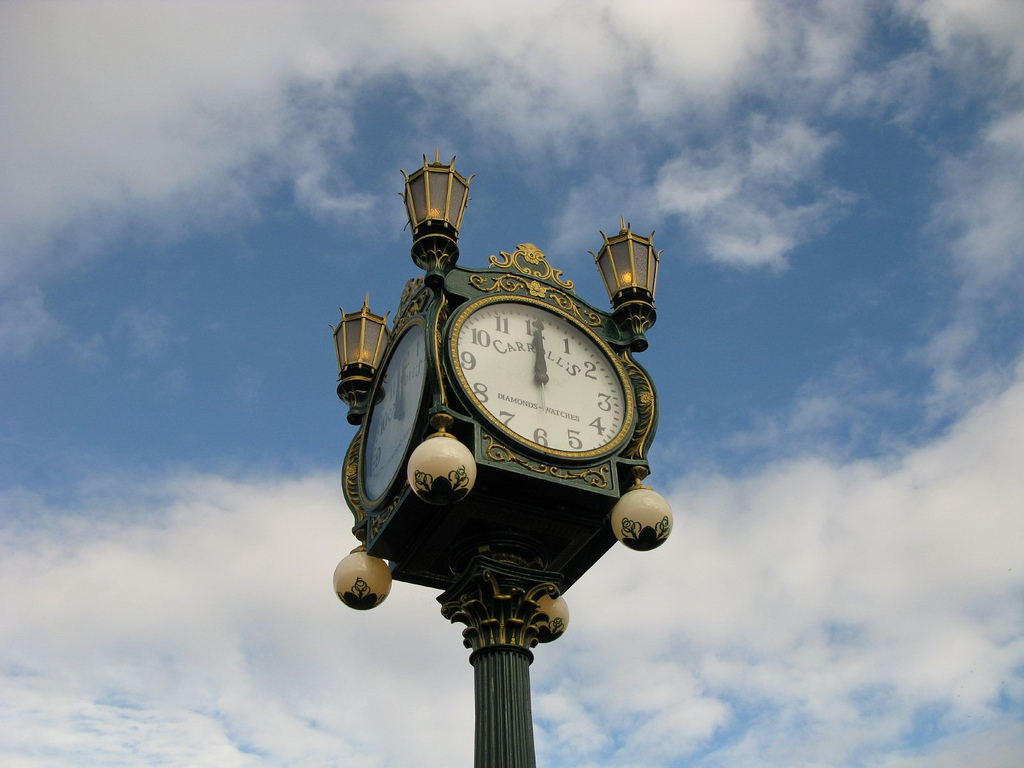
x,y
527,259
488,283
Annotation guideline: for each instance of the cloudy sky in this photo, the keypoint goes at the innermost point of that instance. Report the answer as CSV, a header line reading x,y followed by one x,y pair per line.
x,y
188,192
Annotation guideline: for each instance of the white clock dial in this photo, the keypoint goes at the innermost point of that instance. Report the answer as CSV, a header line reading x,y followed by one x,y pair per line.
x,y
392,418
541,378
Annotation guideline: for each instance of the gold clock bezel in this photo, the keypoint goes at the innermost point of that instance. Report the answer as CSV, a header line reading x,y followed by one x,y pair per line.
x,y
608,448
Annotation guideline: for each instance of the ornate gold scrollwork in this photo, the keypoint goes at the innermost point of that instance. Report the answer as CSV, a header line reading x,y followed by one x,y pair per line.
x,y
350,480
443,312
501,608
529,260
378,519
415,298
597,477
646,402
350,488
516,284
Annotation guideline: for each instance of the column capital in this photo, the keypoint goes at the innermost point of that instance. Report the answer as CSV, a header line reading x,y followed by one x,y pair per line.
x,y
497,600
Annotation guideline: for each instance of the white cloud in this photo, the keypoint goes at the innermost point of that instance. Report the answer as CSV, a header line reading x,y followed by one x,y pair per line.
x,y
841,413
840,602
983,194
692,54
142,116
192,619
145,330
997,748
744,194
208,116
898,91
123,112
977,229
956,26
25,321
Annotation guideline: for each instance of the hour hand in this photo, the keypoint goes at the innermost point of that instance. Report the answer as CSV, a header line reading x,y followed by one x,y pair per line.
x,y
540,365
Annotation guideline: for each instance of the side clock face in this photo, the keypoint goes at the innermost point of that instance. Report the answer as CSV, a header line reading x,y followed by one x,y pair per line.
x,y
393,416
541,378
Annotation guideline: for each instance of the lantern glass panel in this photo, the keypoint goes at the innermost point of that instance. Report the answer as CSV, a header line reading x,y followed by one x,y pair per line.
x,y
641,253
438,194
417,189
374,343
459,191
604,263
338,342
623,265
353,341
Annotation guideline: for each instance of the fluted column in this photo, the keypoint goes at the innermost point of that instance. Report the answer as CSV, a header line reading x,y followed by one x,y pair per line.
x,y
497,600
504,717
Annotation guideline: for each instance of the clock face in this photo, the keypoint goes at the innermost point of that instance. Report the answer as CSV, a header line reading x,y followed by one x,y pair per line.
x,y
541,378
393,416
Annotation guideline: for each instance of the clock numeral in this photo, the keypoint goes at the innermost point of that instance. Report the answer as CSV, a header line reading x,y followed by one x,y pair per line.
x,y
591,367
468,361
481,337
605,403
596,424
501,325
505,417
567,350
375,459
540,437
574,439
480,390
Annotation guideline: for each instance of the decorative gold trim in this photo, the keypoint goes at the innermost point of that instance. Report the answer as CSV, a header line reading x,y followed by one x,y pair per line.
x,y
536,265
415,297
498,610
596,477
350,479
379,518
512,284
443,312
646,404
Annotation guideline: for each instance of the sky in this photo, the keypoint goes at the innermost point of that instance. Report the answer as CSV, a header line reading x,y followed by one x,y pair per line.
x,y
190,191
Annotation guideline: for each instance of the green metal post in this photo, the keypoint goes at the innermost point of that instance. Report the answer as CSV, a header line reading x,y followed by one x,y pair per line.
x,y
496,598
504,719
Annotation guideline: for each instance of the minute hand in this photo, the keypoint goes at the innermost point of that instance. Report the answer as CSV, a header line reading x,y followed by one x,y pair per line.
x,y
540,366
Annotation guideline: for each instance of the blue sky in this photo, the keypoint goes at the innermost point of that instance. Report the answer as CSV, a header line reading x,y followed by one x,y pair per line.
x,y
189,192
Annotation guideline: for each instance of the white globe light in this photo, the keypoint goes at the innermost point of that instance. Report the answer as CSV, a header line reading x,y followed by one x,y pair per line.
x,y
641,519
441,470
555,619
362,581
